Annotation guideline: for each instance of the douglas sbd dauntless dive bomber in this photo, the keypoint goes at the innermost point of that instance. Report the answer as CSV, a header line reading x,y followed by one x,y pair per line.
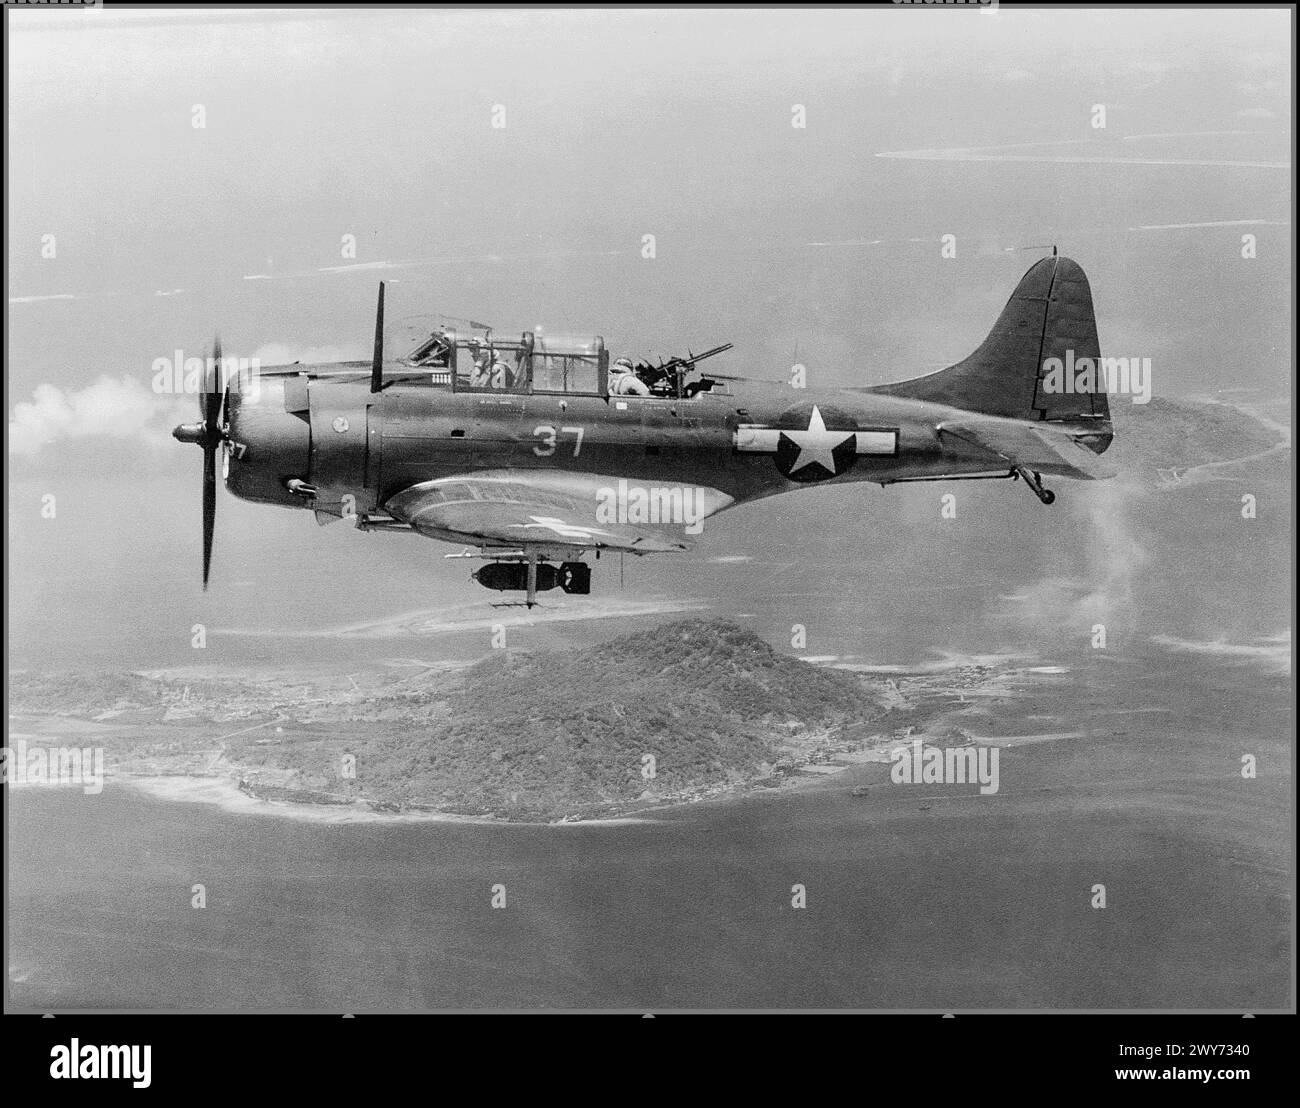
x,y
536,451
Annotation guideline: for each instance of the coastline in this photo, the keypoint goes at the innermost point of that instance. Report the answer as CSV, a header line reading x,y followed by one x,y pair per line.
x,y
955,700
227,795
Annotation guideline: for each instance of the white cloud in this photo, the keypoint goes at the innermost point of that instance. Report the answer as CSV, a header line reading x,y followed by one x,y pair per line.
x,y
120,408
1273,653
1115,558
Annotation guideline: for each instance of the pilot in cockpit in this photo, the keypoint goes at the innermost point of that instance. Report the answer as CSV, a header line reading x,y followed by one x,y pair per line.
x,y
480,374
504,375
490,370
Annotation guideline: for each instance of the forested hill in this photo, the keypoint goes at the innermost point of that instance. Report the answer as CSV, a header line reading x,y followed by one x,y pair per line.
x,y
711,701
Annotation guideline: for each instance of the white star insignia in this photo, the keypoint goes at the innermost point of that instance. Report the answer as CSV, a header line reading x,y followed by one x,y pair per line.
x,y
817,444
561,528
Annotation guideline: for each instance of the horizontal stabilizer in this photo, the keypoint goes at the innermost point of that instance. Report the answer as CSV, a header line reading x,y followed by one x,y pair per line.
x,y
1041,447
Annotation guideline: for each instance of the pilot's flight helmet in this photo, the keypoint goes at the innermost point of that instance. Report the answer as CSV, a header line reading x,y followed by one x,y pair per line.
x,y
626,363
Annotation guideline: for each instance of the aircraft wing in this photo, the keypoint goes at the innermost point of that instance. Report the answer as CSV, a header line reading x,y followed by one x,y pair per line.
x,y
518,508
1040,447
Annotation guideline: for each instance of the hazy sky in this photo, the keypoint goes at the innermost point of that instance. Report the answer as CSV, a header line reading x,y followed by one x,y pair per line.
x,y
378,124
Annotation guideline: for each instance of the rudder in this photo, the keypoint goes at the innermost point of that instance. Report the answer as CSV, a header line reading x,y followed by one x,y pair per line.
x,y
1050,315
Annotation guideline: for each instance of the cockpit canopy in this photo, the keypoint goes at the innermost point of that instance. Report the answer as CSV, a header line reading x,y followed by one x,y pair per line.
x,y
480,361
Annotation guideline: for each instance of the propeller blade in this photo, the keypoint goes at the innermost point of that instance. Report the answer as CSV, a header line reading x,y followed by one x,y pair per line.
x,y
214,393
210,435
209,506
377,366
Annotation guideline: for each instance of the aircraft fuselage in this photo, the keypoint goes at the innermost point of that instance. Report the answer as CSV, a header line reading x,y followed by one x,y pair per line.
x,y
322,426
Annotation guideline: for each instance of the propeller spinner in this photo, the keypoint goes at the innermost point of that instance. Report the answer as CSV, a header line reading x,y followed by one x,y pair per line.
x,y
209,434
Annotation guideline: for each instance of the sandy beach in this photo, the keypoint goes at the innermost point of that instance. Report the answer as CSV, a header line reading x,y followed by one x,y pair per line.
x,y
225,794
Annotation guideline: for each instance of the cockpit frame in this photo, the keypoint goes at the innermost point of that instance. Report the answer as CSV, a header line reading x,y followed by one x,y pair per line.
x,y
532,364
